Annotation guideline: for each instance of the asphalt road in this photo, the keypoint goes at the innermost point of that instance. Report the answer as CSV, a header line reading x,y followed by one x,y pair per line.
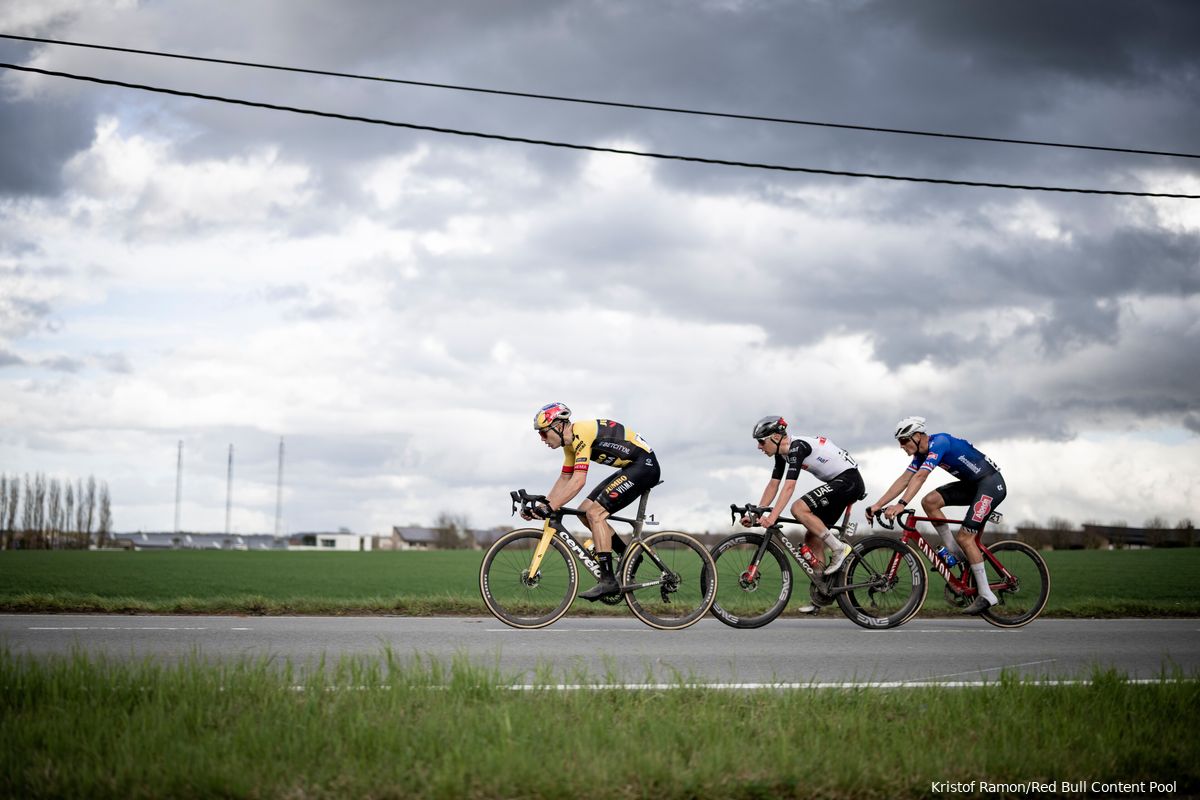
x,y
821,650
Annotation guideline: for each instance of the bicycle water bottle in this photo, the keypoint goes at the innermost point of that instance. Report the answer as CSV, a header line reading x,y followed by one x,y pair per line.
x,y
807,554
947,556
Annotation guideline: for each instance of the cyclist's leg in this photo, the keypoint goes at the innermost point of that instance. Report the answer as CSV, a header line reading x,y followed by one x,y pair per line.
x,y
988,493
822,507
935,501
618,491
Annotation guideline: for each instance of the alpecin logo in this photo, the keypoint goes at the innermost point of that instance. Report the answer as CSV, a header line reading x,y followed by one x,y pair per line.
x,y
982,508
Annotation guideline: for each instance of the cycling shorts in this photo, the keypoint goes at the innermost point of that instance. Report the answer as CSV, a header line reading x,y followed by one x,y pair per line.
x,y
982,496
626,485
830,500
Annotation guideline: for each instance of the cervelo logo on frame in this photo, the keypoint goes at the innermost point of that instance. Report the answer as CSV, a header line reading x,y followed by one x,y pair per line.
x,y
982,508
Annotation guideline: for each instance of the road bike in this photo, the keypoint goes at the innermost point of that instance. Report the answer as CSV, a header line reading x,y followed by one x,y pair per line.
x,y
529,577
1016,572
754,576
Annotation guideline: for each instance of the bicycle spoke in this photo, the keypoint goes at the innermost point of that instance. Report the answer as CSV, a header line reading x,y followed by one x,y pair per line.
x,y
518,598
744,600
677,596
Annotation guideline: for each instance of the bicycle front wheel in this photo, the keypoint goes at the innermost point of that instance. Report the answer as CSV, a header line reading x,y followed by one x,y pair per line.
x,y
671,580
742,600
868,592
1024,595
517,598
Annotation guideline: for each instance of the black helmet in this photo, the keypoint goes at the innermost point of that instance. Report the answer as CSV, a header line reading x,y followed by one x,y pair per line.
x,y
769,426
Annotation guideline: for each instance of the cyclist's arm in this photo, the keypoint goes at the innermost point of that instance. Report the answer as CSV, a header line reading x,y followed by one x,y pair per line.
x,y
785,497
898,486
768,495
566,487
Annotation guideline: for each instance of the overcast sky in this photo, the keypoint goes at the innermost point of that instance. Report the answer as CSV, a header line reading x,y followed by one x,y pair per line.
x,y
396,305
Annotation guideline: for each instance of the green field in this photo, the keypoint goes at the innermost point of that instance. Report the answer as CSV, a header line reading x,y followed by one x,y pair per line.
x,y
1083,583
385,727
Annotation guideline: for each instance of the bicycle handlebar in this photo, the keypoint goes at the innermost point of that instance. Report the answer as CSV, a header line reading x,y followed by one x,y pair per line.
x,y
526,501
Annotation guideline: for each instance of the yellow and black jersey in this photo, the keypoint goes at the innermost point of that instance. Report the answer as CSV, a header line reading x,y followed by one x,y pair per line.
x,y
604,441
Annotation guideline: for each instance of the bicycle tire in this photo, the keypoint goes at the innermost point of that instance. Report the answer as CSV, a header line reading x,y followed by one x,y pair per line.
x,y
676,600
744,604
508,593
879,604
1022,603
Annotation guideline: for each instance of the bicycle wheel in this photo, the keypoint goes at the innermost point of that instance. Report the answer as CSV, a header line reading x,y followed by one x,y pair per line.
x,y
515,597
678,593
873,600
1024,597
744,602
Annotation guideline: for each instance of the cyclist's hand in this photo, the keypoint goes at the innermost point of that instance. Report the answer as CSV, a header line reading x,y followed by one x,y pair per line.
x,y
768,520
892,511
525,515
871,512
749,520
541,511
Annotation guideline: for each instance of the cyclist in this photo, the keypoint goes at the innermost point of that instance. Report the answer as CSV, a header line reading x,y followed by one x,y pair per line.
x,y
980,486
604,441
821,507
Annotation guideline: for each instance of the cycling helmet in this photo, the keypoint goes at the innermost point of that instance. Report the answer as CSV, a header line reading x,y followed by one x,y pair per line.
x,y
908,426
549,414
769,426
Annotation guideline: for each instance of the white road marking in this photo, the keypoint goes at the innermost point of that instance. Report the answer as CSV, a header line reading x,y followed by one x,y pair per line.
x,y
118,628
991,669
824,685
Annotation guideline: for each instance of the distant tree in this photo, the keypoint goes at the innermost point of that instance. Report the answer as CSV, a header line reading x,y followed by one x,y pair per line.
x,y
53,512
68,514
451,530
88,507
4,532
14,501
104,527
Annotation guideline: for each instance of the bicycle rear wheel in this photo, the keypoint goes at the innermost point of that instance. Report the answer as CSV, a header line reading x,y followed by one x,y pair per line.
x,y
1023,597
678,593
518,599
874,600
742,601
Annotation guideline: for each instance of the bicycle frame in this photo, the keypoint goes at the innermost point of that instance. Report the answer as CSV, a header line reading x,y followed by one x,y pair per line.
x,y
913,538
553,528
776,532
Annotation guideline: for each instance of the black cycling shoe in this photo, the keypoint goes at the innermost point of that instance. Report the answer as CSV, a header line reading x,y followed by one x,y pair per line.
x,y
607,585
980,605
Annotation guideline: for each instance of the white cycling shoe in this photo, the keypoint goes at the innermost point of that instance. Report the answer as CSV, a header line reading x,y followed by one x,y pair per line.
x,y
838,558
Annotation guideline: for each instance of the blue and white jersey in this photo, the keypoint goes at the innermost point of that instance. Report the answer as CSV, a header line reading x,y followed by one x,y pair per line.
x,y
957,456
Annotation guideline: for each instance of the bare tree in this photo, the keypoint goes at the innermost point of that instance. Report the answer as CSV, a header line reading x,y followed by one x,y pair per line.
x,y
68,514
89,502
14,500
451,531
53,512
28,514
4,532
105,524
79,508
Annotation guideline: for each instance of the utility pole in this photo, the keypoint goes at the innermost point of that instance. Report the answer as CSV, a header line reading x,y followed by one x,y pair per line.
x,y
178,482
279,493
229,490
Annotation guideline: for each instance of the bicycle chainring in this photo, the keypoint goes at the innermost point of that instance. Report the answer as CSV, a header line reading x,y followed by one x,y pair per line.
x,y
955,599
819,599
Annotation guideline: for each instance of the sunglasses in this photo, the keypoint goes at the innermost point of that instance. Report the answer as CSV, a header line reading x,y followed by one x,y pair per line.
x,y
905,440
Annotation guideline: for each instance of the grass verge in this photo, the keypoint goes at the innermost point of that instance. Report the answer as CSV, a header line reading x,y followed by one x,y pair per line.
x,y
1088,583
388,727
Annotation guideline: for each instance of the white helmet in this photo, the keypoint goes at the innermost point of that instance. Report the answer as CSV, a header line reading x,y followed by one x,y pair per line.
x,y
908,426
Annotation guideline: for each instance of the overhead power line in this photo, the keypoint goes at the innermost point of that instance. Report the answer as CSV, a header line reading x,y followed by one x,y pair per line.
x,y
608,103
589,148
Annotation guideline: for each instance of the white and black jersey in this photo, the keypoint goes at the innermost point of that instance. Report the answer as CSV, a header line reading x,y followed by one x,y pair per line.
x,y
815,454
